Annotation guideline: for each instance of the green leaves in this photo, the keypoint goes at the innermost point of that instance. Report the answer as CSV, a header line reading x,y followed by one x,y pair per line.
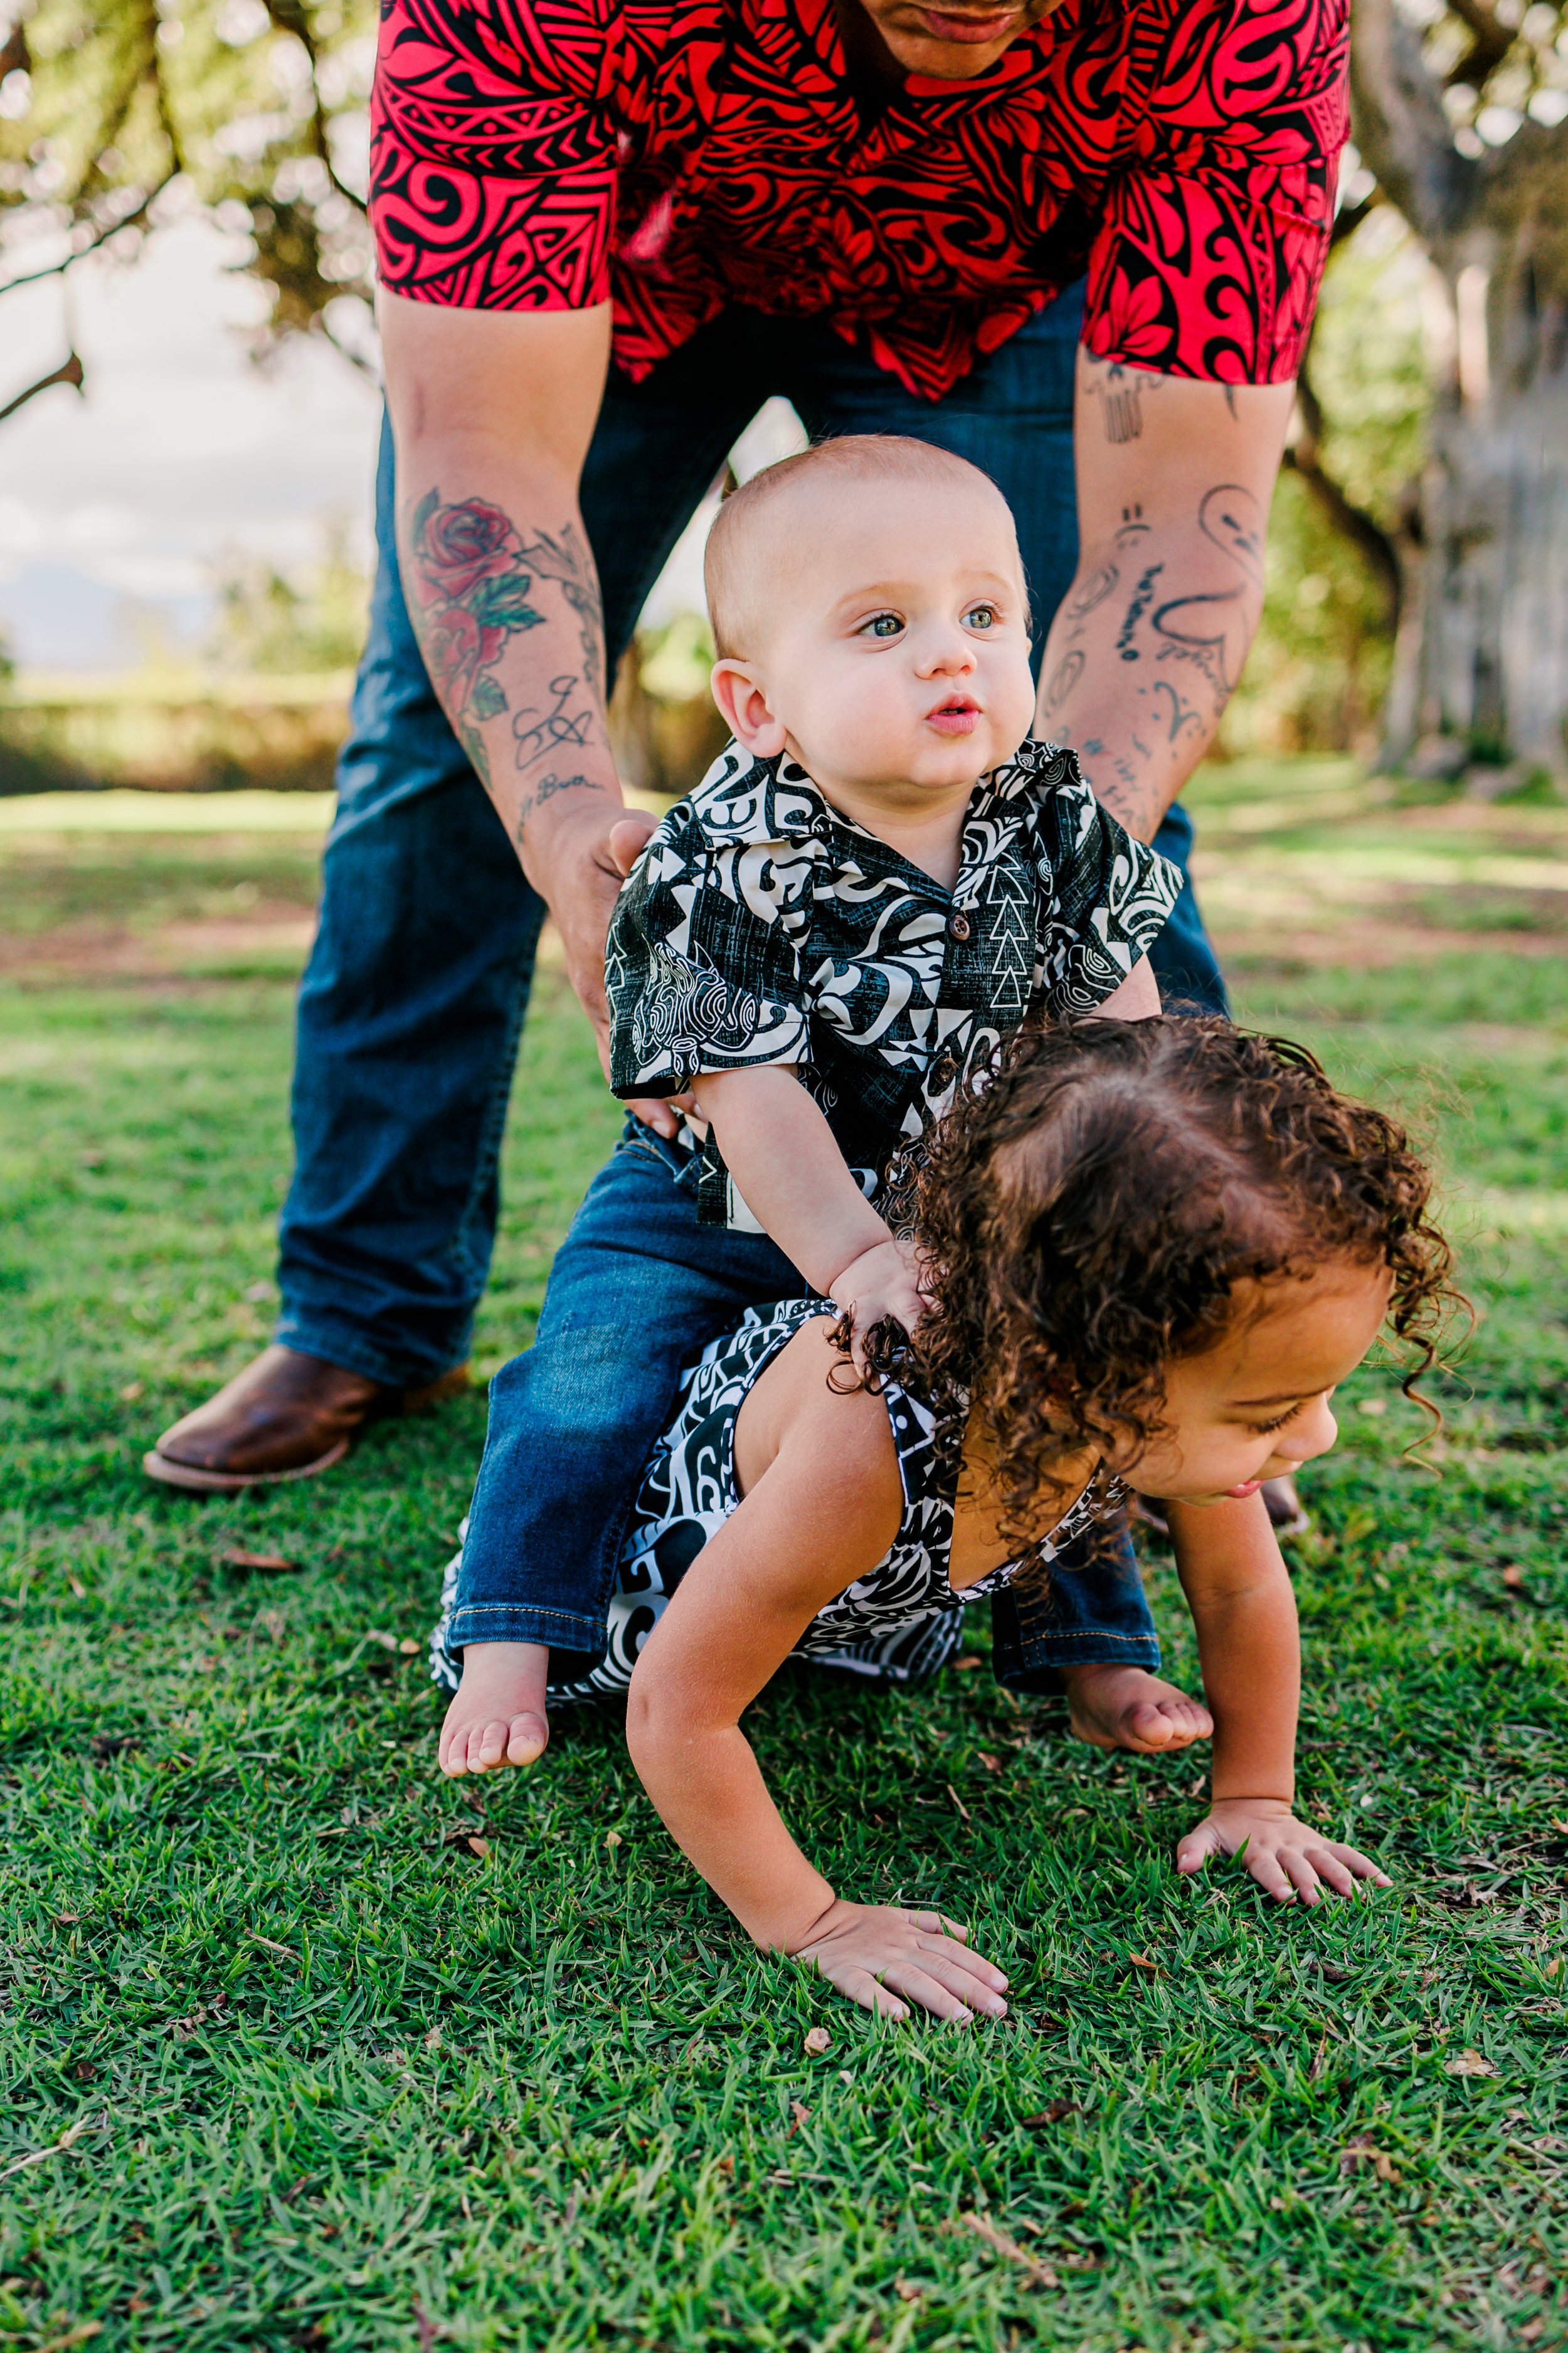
x,y
503,604
487,700
422,514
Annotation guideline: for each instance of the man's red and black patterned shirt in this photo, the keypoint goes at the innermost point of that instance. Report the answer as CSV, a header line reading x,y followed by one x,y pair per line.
x,y
682,155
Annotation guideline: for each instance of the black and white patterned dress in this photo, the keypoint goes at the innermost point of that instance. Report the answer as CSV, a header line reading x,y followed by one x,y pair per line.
x,y
760,925
898,1623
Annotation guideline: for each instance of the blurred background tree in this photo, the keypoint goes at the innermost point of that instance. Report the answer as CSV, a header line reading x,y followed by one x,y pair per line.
x,y
1417,601
115,113
266,623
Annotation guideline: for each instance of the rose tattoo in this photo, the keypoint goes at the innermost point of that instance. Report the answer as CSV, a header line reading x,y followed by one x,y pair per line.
x,y
472,592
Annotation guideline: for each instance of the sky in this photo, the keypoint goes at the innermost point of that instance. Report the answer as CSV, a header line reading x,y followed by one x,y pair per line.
x,y
181,450
116,507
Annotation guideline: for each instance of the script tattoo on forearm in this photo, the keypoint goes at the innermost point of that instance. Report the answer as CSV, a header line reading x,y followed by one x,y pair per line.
x,y
474,578
568,722
546,789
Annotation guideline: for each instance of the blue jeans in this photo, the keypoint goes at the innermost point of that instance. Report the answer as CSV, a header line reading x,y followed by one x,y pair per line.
x,y
413,999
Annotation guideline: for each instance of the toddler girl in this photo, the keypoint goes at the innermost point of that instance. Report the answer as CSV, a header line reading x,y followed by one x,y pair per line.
x,y
1153,1250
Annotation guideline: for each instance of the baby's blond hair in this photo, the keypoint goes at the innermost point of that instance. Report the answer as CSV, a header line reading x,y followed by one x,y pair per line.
x,y
729,573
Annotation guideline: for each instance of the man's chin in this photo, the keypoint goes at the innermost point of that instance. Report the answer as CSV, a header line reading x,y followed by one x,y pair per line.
x,y
951,46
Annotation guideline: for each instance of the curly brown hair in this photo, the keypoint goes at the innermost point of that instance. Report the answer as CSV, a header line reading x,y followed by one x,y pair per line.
x,y
1089,1209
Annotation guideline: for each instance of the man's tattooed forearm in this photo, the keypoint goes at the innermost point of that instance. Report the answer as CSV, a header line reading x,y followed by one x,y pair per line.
x,y
1181,715
568,560
1092,593
1233,519
546,789
1120,391
1181,623
473,575
1062,680
1142,597
568,722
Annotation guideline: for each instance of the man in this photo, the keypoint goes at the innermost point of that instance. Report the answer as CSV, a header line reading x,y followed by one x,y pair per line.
x,y
1036,234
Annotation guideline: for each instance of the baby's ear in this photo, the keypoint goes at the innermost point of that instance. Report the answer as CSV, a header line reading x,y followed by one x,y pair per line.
x,y
743,706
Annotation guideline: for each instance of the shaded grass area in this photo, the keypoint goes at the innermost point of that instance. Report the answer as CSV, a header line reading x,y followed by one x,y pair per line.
x,y
353,2063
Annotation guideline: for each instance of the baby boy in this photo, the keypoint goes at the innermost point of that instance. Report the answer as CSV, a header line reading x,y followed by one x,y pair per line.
x,y
873,886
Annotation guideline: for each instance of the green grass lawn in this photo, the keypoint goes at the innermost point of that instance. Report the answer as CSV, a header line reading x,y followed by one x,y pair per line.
x,y
343,2060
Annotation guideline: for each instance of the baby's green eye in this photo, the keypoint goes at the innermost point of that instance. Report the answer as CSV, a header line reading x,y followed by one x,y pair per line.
x,y
881,625
980,617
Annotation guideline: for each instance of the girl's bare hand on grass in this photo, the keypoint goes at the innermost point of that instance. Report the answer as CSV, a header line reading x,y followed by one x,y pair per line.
x,y
1286,1858
877,1953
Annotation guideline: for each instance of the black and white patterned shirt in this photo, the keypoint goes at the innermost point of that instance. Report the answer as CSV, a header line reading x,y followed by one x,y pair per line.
x,y
761,926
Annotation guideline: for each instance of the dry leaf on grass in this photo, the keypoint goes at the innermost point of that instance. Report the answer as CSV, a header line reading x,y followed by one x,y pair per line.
x,y
480,1846
1142,1961
971,1659
378,1634
907,2290
1514,1576
1051,2113
1041,2275
276,1562
1363,2150
818,2041
802,2116
1469,2063
613,1839
991,1763
953,1793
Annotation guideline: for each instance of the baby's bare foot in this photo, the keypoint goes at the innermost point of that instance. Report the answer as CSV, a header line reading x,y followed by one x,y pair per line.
x,y
1126,1707
496,1717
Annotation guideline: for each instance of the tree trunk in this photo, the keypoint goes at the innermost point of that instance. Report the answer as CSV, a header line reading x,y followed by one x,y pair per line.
x,y
1493,593
1482,656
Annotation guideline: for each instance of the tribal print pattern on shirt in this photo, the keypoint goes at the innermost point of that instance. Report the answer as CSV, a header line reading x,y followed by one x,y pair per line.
x,y
684,156
902,1620
760,927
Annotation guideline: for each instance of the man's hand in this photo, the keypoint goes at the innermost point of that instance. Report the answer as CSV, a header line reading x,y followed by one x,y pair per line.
x,y
1283,1855
1173,483
883,1282
876,1954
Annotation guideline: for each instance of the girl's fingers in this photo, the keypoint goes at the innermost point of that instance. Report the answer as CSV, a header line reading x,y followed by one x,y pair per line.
x,y
969,1965
917,1985
1195,1849
1332,1870
968,1985
1267,1869
1301,1876
1361,1864
869,1992
933,1920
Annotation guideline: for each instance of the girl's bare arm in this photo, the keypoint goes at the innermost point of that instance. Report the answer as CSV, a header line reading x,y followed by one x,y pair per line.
x,y
821,1510
1249,1645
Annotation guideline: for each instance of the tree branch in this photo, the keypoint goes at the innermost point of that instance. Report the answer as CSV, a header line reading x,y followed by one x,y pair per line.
x,y
80,253
1490,42
1401,129
288,16
1352,522
70,371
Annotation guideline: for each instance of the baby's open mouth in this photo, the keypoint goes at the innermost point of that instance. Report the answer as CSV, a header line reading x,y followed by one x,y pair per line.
x,y
959,715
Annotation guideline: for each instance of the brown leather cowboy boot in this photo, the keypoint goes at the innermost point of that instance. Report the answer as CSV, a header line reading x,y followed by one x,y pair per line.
x,y
286,1416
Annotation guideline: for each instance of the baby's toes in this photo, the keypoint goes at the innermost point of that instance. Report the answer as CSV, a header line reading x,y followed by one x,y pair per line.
x,y
527,1737
486,1746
